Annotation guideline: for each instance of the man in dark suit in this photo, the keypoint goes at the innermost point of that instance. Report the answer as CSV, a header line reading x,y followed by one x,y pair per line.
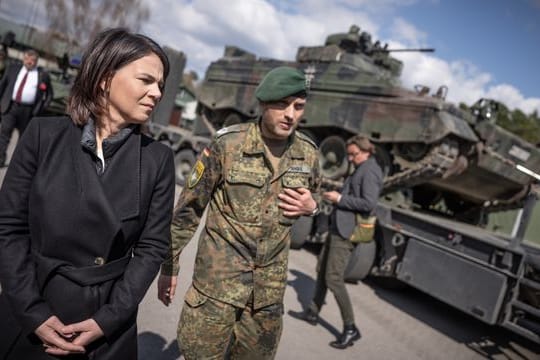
x,y
359,195
25,90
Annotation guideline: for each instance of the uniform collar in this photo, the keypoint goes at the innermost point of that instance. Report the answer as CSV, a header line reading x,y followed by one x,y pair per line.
x,y
254,143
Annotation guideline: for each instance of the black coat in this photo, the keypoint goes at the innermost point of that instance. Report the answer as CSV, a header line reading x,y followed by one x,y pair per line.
x,y
360,193
44,93
78,245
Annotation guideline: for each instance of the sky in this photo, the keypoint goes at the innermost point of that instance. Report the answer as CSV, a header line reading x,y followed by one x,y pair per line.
x,y
483,48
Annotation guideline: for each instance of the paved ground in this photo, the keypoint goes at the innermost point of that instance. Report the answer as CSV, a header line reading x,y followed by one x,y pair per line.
x,y
404,324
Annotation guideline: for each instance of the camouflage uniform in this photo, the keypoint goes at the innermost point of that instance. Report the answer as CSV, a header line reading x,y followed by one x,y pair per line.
x,y
241,266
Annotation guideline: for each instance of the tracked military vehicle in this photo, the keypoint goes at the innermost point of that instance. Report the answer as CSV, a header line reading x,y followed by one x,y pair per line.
x,y
423,143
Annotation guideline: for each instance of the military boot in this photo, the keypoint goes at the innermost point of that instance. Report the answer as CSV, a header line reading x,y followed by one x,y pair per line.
x,y
347,338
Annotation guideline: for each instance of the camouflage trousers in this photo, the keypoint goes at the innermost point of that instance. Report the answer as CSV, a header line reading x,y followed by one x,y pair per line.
x,y
211,329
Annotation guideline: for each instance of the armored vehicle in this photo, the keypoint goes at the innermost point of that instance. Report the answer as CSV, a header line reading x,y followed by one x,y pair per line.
x,y
423,143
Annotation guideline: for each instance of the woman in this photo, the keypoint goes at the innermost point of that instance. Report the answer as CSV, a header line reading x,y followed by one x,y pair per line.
x,y
85,210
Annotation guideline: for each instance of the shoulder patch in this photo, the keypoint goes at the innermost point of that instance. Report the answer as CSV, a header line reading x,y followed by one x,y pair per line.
x,y
306,138
231,129
196,173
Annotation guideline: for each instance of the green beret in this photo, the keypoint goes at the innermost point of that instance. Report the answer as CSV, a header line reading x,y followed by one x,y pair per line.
x,y
279,83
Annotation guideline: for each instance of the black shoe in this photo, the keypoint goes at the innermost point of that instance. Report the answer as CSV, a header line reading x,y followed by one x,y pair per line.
x,y
2,161
347,338
308,315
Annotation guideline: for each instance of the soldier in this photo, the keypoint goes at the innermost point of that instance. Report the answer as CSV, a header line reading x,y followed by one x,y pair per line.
x,y
257,178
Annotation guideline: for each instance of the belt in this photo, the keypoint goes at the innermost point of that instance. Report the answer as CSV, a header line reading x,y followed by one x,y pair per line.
x,y
91,275
84,276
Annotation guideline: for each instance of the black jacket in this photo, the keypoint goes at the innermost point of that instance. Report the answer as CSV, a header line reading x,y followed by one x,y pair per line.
x,y
78,245
44,91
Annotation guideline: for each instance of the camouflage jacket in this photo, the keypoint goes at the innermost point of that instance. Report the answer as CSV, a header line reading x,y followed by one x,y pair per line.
x,y
244,247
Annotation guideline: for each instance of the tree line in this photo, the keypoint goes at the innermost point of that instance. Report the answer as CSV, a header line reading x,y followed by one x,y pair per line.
x,y
517,122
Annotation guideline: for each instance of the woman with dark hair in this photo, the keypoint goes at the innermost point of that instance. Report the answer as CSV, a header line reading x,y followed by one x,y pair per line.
x,y
85,210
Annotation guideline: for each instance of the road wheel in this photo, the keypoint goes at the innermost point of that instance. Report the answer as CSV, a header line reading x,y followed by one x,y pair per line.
x,y
361,261
333,157
300,230
183,162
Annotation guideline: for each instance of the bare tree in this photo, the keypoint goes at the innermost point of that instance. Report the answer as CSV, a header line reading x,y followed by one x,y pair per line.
x,y
80,20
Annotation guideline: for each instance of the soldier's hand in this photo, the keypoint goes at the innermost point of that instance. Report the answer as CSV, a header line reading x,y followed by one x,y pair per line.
x,y
54,340
166,288
296,202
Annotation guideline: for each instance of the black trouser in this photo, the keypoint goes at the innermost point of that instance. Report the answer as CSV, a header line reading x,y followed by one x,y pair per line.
x,y
18,118
331,267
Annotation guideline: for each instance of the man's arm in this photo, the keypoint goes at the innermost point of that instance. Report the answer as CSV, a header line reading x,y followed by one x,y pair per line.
x,y
198,190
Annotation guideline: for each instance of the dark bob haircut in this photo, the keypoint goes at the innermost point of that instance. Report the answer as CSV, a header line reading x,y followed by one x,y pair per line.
x,y
108,52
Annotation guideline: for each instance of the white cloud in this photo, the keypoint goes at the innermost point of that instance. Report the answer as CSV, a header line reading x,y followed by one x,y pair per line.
x,y
404,31
466,83
201,28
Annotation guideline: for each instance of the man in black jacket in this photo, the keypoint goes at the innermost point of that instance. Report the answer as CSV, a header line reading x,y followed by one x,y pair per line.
x,y
25,90
359,195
